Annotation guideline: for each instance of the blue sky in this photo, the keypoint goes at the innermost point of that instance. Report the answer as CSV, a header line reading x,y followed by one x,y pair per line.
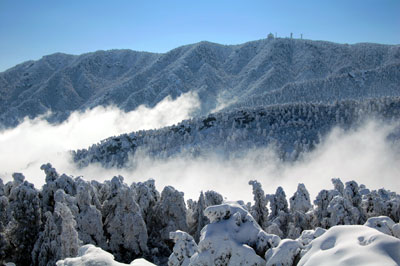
x,y
30,29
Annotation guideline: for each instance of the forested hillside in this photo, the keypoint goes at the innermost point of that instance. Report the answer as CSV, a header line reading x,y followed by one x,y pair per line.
x,y
289,129
263,72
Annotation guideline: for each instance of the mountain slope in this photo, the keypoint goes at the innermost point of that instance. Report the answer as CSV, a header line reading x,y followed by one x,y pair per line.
x,y
261,72
290,129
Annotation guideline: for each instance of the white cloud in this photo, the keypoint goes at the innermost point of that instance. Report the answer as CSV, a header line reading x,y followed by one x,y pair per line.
x,y
34,142
364,154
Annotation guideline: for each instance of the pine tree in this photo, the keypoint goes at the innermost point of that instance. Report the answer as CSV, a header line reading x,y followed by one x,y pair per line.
x,y
23,228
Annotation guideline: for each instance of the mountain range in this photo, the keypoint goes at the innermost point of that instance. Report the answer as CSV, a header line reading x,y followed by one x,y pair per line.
x,y
258,73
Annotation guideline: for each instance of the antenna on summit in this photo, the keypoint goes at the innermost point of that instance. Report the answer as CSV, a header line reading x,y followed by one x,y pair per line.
x,y
270,36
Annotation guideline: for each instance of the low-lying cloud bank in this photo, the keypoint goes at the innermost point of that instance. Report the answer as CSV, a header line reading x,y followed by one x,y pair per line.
x,y
34,142
364,154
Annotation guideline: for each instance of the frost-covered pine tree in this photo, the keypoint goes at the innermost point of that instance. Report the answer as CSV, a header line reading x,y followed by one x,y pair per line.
x,y
169,216
49,188
146,196
338,185
124,226
321,203
341,211
352,194
279,216
1,187
259,210
300,217
198,219
24,225
3,223
89,218
212,197
300,201
59,239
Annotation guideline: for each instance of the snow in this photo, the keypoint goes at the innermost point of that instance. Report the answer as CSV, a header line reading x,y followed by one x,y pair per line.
x,y
284,254
291,130
232,238
89,255
352,245
385,225
262,72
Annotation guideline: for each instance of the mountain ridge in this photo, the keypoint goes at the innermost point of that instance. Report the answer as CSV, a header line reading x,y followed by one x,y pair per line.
x,y
63,83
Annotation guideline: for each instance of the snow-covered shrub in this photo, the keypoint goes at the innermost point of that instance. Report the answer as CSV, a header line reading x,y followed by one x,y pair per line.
x,y
287,253
184,248
233,237
309,235
385,225
89,255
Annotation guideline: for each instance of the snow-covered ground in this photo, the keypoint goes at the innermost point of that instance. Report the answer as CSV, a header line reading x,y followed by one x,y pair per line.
x,y
90,255
350,245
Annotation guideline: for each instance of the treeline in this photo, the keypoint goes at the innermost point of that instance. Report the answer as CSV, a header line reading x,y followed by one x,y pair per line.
x,y
42,226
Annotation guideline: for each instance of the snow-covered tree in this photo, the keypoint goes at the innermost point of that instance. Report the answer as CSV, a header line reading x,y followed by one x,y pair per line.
x,y
59,239
89,218
321,202
146,196
300,201
124,226
341,211
279,216
169,216
197,219
259,210
212,197
352,194
24,225
49,188
3,223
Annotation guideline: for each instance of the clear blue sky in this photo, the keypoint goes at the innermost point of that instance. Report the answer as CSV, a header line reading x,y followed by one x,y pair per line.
x,y
30,29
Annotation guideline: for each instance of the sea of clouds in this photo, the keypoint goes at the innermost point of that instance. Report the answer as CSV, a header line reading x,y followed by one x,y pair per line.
x,y
364,154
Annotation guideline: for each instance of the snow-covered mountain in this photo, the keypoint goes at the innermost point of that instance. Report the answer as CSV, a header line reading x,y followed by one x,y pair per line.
x,y
285,94
262,72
